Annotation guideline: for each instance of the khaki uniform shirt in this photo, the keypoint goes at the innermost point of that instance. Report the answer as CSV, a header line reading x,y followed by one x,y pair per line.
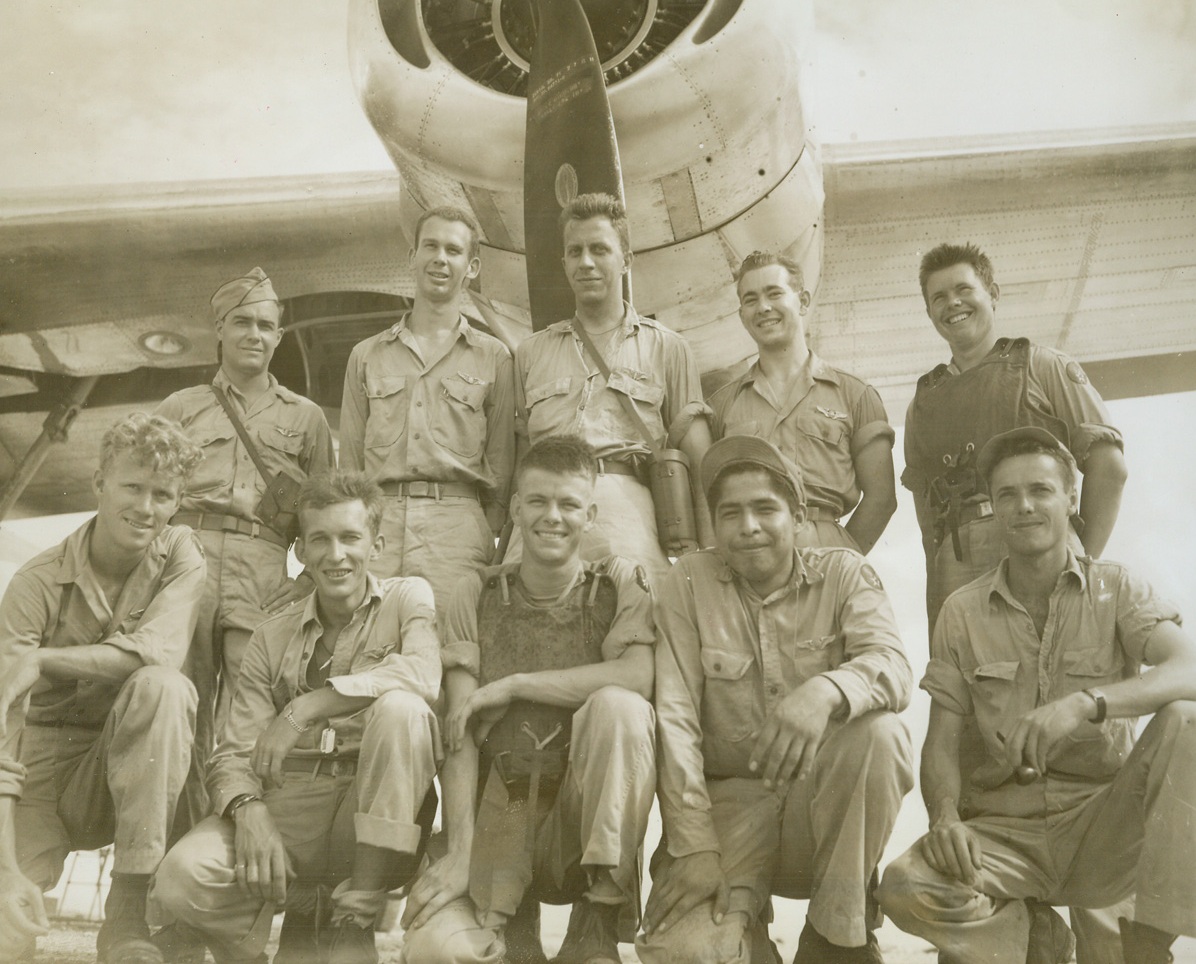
x,y
559,389
290,432
822,425
448,419
390,644
987,662
55,600
728,657
633,622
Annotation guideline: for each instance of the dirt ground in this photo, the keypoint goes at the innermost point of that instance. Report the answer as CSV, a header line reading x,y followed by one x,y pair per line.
x,y
75,943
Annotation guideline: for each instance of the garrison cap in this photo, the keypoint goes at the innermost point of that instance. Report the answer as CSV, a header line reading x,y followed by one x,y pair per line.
x,y
248,290
750,451
998,447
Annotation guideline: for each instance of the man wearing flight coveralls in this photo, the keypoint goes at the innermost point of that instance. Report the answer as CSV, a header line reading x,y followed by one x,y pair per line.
x,y
1044,654
779,676
96,719
428,414
247,561
549,670
323,768
831,424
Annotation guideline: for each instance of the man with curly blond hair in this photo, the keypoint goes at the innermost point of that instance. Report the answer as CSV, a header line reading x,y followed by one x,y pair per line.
x,y
96,719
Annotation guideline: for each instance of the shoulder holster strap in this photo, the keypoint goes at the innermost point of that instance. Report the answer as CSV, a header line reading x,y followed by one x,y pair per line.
x,y
241,432
626,402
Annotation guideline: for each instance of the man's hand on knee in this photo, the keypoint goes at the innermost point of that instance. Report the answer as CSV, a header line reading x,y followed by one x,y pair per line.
x,y
792,734
22,911
438,886
952,849
689,881
261,864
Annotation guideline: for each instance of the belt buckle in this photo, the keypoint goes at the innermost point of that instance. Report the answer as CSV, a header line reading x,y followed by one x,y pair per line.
x,y
342,768
422,490
229,523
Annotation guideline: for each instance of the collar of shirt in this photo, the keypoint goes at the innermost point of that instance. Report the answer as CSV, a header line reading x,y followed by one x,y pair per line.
x,y
311,612
276,390
631,321
401,331
1001,345
814,369
998,579
76,565
802,572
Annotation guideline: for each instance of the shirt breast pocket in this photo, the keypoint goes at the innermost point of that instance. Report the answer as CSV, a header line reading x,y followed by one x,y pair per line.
x,y
280,449
550,407
729,701
646,395
460,422
388,399
809,657
216,469
823,431
993,686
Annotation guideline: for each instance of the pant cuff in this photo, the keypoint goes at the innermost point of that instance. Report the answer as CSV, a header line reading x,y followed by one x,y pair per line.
x,y
387,834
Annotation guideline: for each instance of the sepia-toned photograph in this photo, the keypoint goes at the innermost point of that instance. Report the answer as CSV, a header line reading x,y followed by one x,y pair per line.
x,y
597,481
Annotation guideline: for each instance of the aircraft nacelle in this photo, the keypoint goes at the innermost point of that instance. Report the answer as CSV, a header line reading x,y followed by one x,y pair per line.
x,y
708,110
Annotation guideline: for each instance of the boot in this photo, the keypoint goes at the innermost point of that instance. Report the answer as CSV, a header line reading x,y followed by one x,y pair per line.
x,y
1143,944
593,935
522,935
1051,940
813,948
124,937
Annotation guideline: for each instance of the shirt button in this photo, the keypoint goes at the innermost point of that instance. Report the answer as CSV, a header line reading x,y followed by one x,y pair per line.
x,y
419,404
718,666
772,691
416,435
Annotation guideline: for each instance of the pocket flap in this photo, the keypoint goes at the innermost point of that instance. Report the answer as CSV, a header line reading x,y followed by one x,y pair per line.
x,y
636,385
381,386
560,386
1006,670
724,664
463,392
1089,662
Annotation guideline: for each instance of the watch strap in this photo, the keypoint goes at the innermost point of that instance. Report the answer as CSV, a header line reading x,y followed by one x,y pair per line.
x,y
1102,708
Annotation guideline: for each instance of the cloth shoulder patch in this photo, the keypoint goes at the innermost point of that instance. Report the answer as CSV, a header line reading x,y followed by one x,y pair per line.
x,y
1076,373
871,578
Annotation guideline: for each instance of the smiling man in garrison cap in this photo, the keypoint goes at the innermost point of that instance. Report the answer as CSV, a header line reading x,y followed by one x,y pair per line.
x,y
779,675
247,556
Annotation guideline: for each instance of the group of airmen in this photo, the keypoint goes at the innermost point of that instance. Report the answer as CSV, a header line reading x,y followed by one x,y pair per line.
x,y
251,744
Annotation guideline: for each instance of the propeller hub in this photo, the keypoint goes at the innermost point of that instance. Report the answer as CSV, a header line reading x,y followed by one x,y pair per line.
x,y
618,26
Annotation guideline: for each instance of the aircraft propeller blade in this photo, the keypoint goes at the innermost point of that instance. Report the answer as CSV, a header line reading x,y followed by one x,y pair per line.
x,y
570,147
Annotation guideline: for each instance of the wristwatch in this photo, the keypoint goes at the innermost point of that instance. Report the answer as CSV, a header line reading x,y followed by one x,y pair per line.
x,y
237,802
1102,708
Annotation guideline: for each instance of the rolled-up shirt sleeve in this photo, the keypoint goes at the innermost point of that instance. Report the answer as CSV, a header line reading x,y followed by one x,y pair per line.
x,y
683,391
404,653
875,673
870,420
944,680
634,623
1070,396
684,800
163,632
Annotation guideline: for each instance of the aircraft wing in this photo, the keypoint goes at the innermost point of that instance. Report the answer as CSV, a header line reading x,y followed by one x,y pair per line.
x,y
1094,242
1092,236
